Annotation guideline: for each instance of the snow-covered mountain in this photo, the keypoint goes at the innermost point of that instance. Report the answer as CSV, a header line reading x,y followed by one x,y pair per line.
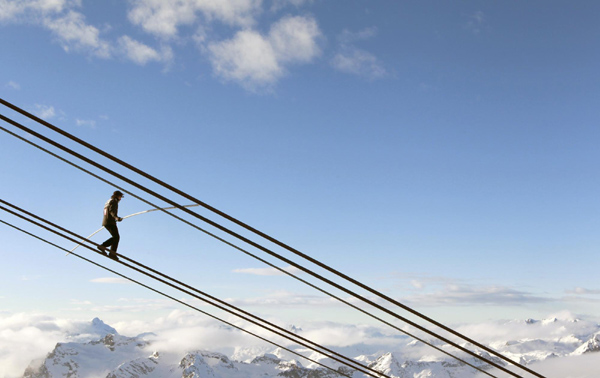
x,y
107,354
591,345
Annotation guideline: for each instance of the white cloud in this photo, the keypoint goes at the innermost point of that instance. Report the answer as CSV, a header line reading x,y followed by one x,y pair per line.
x,y
448,291
60,17
163,18
352,60
181,331
232,12
9,9
247,58
253,59
22,340
558,334
184,330
581,290
256,61
74,34
586,366
13,85
355,61
140,53
285,298
111,280
267,271
44,111
465,295
12,10
294,39
80,303
489,332
579,299
417,284
24,337
336,334
87,123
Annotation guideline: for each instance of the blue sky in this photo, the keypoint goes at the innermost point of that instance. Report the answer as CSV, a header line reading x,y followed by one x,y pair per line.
x,y
443,153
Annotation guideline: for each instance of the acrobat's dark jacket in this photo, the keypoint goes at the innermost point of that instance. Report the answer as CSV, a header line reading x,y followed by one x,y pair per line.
x,y
111,209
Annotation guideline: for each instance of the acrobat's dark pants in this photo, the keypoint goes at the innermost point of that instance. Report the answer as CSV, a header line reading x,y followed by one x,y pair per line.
x,y
113,242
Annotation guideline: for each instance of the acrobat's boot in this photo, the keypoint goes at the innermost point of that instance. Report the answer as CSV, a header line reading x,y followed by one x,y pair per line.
x,y
113,255
102,249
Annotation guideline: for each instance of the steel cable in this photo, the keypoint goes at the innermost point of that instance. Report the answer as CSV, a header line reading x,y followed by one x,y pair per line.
x,y
349,362
306,270
356,365
265,236
174,299
352,364
245,252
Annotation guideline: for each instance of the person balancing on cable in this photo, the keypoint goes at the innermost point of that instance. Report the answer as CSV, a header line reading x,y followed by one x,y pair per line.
x,y
109,221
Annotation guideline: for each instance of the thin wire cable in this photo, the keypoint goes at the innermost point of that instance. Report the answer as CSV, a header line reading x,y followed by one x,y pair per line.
x,y
263,235
258,246
176,300
256,257
58,145
213,298
355,365
151,210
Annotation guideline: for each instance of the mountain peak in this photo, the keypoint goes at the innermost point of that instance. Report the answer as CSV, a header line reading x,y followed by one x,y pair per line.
x,y
388,364
101,328
590,346
267,358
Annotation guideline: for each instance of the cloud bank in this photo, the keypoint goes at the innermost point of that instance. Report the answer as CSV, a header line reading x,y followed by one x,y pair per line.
x,y
24,337
164,18
247,56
